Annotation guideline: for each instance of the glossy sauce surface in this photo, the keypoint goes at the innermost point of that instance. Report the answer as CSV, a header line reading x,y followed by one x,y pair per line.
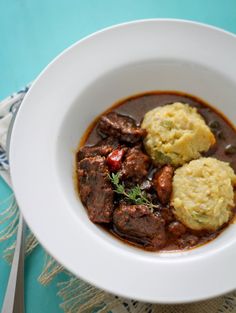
x,y
224,132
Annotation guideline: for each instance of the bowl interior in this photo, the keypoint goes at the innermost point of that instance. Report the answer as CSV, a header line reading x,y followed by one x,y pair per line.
x,y
166,74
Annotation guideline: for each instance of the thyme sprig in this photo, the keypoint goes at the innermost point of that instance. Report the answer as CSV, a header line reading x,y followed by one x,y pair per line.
x,y
135,194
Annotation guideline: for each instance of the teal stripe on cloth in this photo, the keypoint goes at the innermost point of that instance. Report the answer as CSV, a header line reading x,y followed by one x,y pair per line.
x,y
33,32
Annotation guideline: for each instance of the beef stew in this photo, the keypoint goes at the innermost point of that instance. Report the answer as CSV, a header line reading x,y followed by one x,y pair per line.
x,y
121,188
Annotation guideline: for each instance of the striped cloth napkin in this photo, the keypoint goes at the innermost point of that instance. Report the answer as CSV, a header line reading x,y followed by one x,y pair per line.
x,y
77,295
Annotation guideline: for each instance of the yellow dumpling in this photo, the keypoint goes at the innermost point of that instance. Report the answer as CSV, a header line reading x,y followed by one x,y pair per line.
x,y
176,134
203,193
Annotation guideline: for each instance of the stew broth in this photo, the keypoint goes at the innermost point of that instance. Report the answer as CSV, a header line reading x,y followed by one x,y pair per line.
x,y
224,149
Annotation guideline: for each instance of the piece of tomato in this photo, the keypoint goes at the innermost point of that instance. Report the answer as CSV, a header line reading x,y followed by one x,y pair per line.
x,y
114,160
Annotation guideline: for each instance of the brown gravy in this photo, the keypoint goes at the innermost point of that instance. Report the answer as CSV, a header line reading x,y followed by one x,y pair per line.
x,y
136,107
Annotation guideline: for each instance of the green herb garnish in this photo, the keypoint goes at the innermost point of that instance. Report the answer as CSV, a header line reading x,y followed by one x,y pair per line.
x,y
167,124
135,194
162,158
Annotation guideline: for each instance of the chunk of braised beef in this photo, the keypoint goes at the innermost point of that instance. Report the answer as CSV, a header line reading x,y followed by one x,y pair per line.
x,y
135,165
120,126
176,228
138,223
95,188
167,214
162,182
187,241
102,148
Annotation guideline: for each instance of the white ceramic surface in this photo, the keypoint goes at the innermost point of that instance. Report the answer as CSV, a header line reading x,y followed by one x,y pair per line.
x,y
77,86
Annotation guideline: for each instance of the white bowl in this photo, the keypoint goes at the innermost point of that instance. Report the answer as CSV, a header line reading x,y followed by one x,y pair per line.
x,y
77,86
